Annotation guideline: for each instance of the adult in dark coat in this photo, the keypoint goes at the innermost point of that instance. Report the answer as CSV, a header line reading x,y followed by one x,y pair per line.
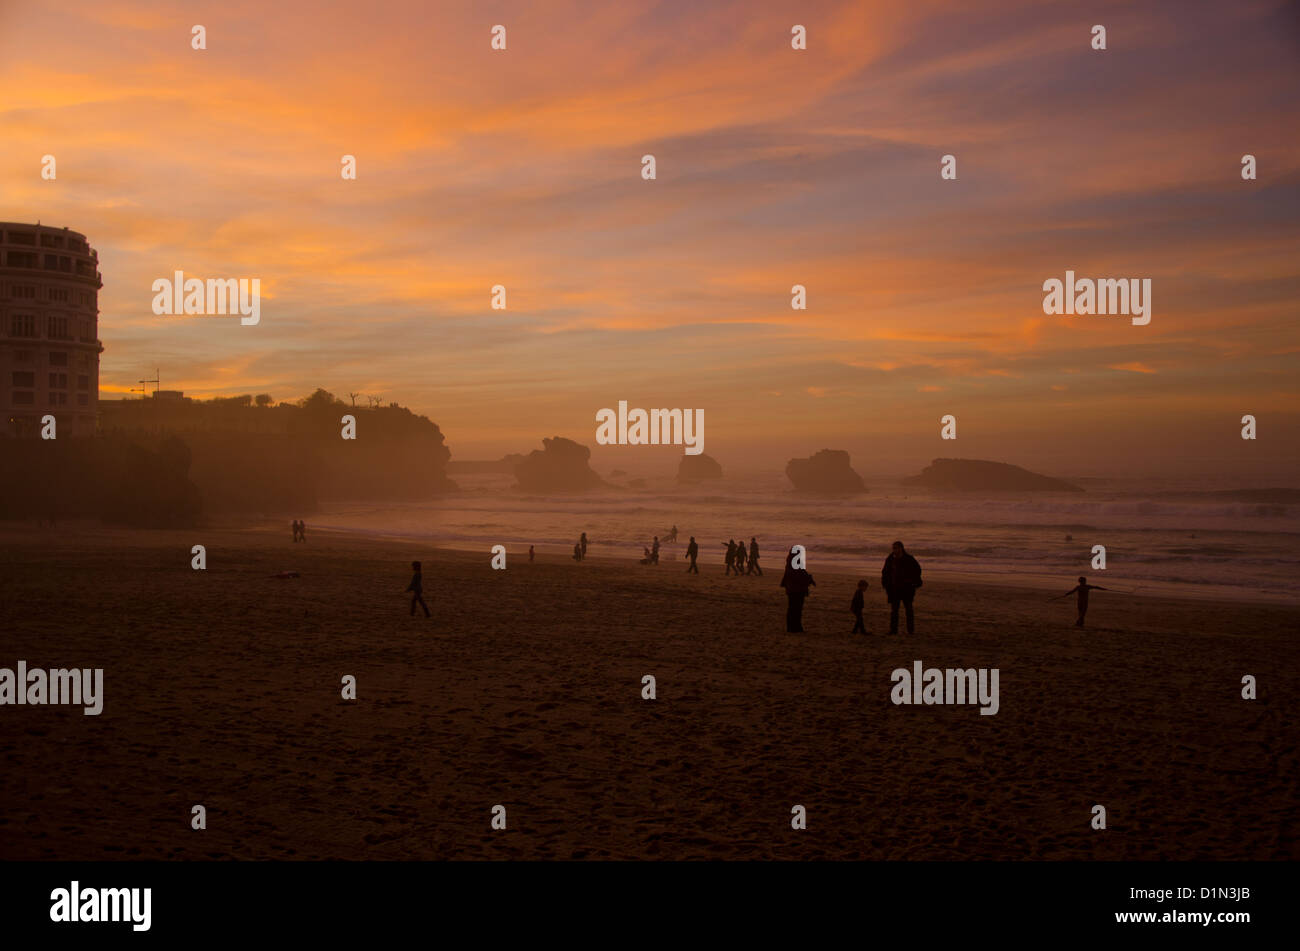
x,y
900,577
796,582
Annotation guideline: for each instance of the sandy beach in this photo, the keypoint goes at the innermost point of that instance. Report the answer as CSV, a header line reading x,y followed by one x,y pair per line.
x,y
222,687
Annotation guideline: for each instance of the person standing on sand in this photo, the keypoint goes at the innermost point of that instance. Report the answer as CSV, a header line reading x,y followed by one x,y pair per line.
x,y
416,587
581,541
530,553
294,526
856,607
796,582
740,559
302,528
654,552
731,555
577,551
900,577
692,552
753,558
1082,590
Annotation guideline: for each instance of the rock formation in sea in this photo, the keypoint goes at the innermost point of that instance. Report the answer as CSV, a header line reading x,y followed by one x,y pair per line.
x,y
980,475
698,468
827,472
562,465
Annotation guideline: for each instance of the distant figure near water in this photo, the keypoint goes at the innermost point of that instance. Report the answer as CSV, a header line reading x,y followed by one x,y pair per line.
x,y
530,552
693,552
299,531
1082,589
900,577
654,552
416,587
577,551
856,606
753,558
583,542
740,559
796,582
672,535
731,555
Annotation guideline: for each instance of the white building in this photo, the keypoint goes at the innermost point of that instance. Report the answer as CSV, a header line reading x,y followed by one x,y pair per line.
x,y
49,324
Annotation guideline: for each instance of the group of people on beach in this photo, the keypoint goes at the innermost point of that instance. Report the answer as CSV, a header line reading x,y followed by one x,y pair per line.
x,y
579,549
737,556
900,577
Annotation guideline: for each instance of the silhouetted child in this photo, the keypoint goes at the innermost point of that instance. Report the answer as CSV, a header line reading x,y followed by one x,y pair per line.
x,y
856,607
577,552
416,587
646,559
530,552
1082,590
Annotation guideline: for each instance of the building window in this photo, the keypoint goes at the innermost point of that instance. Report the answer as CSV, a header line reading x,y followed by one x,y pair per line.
x,y
22,325
58,358
51,262
21,258
23,237
22,356
59,330
24,292
83,399
51,241
24,378
56,293
24,398
58,381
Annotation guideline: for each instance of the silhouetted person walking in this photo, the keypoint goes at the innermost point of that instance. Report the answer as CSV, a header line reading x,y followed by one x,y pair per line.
x,y
693,552
753,558
796,582
530,552
731,556
900,577
1082,589
577,551
654,552
856,607
416,587
581,541
672,535
740,559
294,525
302,530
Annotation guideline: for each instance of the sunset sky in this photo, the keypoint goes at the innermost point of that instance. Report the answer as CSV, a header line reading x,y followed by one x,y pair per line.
x,y
775,167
